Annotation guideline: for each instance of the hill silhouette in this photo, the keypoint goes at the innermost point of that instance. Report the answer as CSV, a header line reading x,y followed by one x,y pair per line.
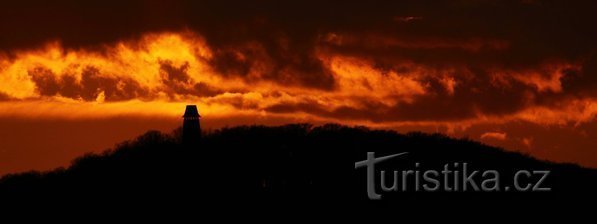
x,y
282,165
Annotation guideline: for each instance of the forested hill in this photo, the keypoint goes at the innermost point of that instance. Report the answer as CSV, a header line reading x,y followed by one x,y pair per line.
x,y
290,163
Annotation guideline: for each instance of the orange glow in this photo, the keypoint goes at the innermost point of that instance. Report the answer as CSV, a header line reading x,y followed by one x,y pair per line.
x,y
141,60
156,92
156,75
494,135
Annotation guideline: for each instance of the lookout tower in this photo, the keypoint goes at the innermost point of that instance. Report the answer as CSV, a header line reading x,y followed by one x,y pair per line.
x,y
191,128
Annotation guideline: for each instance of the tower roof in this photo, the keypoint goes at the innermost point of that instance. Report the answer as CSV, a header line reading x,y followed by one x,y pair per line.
x,y
191,111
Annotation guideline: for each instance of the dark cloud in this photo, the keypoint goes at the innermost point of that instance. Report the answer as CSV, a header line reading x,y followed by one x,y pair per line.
x,y
473,97
172,75
582,82
206,90
92,83
114,88
45,81
89,87
4,97
542,29
176,80
29,23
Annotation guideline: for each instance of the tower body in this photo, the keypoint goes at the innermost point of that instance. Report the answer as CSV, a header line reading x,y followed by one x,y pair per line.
x,y
191,127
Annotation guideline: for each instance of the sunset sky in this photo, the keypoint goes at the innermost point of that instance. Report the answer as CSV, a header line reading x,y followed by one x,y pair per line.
x,y
80,76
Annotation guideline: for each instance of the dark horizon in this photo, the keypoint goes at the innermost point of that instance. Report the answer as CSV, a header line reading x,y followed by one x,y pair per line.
x,y
294,165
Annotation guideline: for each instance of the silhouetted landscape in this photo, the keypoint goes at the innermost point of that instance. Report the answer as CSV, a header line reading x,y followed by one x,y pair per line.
x,y
297,105
284,164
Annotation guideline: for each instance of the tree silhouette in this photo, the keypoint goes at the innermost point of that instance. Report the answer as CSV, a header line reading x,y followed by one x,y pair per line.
x,y
285,164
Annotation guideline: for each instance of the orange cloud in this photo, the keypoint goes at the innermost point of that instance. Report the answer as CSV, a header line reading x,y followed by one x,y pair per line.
x,y
548,77
494,135
158,73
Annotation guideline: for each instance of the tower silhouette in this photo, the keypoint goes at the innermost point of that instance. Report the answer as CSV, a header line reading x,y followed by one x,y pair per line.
x,y
191,127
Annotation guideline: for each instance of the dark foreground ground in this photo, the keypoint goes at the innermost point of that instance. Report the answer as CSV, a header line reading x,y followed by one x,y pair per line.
x,y
288,166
